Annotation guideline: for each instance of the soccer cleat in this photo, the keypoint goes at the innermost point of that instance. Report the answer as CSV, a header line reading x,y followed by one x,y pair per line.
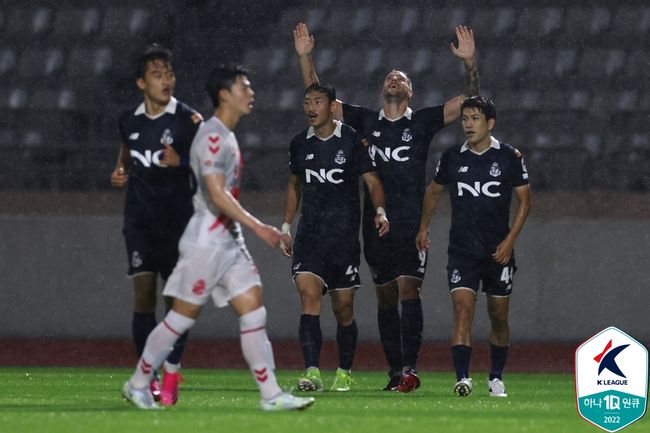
x,y
154,388
497,388
410,380
311,381
169,389
286,401
393,382
463,387
342,381
141,398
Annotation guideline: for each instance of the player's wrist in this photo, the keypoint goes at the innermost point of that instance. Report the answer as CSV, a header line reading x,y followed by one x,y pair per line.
x,y
286,228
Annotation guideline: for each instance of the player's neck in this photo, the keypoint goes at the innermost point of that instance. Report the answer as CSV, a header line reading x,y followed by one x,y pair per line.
x,y
481,146
153,108
395,109
227,117
325,130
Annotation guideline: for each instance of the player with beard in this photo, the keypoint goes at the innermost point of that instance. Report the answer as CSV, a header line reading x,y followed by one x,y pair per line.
x,y
400,139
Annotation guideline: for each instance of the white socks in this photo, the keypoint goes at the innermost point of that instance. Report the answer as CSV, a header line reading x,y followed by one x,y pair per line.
x,y
159,345
257,351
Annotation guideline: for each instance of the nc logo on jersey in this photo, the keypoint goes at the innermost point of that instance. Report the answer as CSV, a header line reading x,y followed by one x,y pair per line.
x,y
167,139
406,135
455,276
479,189
494,170
322,175
149,158
340,157
387,153
611,374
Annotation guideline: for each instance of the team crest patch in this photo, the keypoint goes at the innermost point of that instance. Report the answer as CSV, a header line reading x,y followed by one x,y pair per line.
x,y
455,276
340,157
136,260
376,134
167,138
406,135
199,287
495,171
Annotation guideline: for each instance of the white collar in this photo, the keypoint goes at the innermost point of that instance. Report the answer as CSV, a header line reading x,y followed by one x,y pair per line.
x,y
494,143
170,108
337,131
406,114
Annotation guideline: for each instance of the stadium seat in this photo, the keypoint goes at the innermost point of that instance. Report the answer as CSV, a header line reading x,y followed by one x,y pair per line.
x,y
588,21
491,22
24,26
7,63
536,23
437,25
38,63
74,24
122,24
600,66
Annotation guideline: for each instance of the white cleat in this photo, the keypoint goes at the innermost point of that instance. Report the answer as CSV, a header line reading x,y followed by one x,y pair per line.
x,y
286,401
141,398
463,387
497,388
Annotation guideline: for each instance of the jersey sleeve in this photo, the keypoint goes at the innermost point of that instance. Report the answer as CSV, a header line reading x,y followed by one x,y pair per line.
x,y
519,172
354,115
293,157
430,120
441,176
214,158
365,162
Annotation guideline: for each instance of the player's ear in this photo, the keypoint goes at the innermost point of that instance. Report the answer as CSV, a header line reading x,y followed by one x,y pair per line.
x,y
224,94
491,123
140,83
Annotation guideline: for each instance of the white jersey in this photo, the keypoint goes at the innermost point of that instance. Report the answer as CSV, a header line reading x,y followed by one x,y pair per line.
x,y
214,150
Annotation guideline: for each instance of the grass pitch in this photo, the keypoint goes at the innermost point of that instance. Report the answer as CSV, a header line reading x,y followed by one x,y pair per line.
x,y
53,400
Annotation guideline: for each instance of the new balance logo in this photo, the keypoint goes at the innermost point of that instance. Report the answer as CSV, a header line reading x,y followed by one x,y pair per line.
x,y
134,136
479,189
463,169
309,156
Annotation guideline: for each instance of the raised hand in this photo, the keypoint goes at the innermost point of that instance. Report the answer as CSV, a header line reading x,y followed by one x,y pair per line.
x,y
303,41
466,47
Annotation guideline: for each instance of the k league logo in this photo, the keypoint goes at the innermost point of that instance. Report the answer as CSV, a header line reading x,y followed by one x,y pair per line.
x,y
611,379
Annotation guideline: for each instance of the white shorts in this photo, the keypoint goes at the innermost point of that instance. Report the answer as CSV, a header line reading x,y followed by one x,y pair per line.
x,y
222,273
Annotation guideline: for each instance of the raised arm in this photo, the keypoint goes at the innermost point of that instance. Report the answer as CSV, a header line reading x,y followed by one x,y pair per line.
x,y
291,203
223,199
431,199
504,249
304,44
376,191
465,51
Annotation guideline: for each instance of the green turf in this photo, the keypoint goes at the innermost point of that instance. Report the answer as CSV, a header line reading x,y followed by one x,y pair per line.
x,y
53,400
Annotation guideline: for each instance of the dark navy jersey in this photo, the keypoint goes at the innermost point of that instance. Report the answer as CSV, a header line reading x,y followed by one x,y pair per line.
x,y
399,149
480,188
157,194
329,171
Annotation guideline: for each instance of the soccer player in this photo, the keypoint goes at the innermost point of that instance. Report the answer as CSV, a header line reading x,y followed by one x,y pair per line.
x,y
153,164
481,174
326,161
400,139
214,262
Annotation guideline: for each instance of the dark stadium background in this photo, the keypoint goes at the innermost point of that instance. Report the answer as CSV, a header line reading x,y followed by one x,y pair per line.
x,y
572,93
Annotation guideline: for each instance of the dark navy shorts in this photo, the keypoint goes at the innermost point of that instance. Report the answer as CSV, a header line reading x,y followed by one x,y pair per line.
x,y
335,260
464,270
392,256
150,251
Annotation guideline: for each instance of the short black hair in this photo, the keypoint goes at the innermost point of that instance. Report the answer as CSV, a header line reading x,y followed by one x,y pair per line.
x,y
151,54
328,90
223,77
482,103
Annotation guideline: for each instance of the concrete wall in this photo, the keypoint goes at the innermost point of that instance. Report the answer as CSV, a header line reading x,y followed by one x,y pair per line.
x,y
63,276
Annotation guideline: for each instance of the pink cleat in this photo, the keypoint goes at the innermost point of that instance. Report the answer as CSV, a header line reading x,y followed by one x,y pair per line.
x,y
169,390
154,388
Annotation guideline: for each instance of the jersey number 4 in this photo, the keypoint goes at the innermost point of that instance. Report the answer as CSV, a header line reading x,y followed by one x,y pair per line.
x,y
506,276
